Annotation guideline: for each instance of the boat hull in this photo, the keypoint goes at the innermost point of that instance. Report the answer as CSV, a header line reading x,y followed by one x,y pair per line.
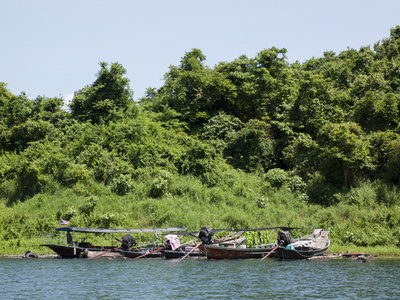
x,y
285,253
135,253
65,251
74,249
171,254
218,252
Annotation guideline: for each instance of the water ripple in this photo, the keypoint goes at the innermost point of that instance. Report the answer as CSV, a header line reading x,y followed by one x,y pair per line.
x,y
198,279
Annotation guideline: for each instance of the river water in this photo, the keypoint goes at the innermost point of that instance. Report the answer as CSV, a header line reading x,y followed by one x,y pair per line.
x,y
198,279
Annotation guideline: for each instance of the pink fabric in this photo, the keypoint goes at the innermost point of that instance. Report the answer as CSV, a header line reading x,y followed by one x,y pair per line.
x,y
173,240
188,249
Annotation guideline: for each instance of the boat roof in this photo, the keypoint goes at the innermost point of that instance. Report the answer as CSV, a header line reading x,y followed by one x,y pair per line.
x,y
110,230
260,229
252,229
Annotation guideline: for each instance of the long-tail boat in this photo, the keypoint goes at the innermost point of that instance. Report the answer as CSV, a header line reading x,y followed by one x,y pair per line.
x,y
216,250
315,244
223,252
70,248
236,249
183,251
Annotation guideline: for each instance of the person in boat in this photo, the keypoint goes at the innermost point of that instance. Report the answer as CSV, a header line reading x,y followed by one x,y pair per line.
x,y
69,238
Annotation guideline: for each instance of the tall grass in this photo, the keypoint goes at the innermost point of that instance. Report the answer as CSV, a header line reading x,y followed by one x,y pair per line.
x,y
367,217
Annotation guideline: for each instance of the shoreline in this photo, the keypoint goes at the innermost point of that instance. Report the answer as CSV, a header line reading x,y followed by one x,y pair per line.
x,y
365,257
22,256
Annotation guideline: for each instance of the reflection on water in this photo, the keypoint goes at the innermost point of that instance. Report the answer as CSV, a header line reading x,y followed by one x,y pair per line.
x,y
199,279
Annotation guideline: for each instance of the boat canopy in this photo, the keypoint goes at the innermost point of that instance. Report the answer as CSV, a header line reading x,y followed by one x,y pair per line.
x,y
109,230
253,229
261,229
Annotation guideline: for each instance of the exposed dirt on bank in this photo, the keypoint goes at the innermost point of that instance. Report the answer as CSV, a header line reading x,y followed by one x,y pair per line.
x,y
22,256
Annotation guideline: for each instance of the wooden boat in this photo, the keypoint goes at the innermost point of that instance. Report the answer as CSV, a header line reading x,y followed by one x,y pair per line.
x,y
181,252
144,252
178,250
73,249
315,244
240,252
236,249
65,251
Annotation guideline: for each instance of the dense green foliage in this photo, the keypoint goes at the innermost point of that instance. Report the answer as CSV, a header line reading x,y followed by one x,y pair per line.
x,y
248,143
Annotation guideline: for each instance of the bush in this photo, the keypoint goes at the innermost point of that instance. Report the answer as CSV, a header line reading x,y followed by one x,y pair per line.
x,y
160,184
202,161
297,184
88,206
262,202
363,196
251,148
121,185
322,193
387,194
276,177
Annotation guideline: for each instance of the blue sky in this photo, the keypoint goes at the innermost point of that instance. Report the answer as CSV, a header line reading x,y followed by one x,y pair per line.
x,y
53,48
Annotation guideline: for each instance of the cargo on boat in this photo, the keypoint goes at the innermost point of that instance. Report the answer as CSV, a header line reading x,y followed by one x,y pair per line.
x,y
236,248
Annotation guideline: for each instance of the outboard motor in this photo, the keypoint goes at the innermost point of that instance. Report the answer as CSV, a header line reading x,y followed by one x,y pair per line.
x,y
127,242
205,235
284,238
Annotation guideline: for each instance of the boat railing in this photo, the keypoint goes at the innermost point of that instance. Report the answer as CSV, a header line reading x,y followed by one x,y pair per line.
x,y
54,238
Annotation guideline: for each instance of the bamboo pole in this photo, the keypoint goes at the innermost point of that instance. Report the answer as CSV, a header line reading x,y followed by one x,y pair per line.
x,y
271,251
159,249
100,254
194,248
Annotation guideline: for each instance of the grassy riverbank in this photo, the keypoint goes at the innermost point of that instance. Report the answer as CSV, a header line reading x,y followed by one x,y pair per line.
x,y
357,224
381,251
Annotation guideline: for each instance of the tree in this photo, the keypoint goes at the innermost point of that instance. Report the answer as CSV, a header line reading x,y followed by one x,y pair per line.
x,y
301,155
106,99
385,150
14,110
202,161
317,102
265,85
377,111
23,121
193,60
344,154
196,92
19,136
219,129
251,148
389,48
393,174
